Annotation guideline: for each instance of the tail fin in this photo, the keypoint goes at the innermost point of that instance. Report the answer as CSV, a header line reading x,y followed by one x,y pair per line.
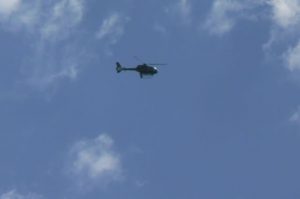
x,y
119,67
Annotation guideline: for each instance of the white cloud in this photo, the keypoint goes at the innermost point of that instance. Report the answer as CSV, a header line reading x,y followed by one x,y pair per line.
x,y
292,58
7,7
64,16
51,64
285,12
220,20
48,23
49,20
182,9
96,161
13,194
112,28
295,118
160,29
17,15
285,16
225,14
53,61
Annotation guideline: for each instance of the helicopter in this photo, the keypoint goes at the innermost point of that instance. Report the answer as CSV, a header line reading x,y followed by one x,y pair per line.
x,y
142,69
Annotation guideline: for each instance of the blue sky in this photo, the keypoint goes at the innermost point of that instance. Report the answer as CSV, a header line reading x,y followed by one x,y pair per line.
x,y
221,120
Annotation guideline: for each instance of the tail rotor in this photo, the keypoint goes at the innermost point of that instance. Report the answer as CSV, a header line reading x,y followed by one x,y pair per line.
x,y
119,67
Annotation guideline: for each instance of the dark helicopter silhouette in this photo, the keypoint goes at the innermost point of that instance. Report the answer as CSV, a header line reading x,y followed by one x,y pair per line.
x,y
142,69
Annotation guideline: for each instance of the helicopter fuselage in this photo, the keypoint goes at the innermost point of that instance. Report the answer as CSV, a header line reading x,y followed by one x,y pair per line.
x,y
142,69
147,70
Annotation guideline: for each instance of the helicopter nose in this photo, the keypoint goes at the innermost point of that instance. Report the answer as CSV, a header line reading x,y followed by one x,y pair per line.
x,y
155,70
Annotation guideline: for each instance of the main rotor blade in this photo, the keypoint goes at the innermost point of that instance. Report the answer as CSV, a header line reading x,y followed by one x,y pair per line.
x,y
138,59
153,64
157,64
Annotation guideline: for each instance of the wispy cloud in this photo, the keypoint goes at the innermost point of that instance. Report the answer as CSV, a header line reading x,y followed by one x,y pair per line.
x,y
220,20
46,20
19,15
184,9
13,194
160,29
96,161
295,117
283,15
112,28
292,58
65,15
225,14
286,13
51,25
8,7
181,9
52,63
